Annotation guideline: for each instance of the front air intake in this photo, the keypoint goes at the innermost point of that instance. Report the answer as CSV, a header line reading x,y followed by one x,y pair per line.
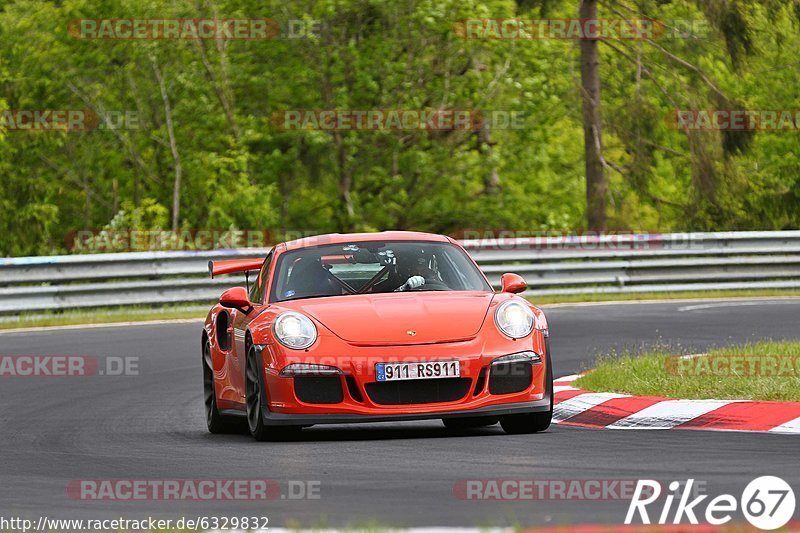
x,y
418,391
318,389
508,378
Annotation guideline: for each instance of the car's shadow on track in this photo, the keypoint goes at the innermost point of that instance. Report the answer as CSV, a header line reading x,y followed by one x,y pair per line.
x,y
368,432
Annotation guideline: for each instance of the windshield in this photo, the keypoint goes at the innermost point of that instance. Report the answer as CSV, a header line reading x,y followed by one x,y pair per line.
x,y
374,267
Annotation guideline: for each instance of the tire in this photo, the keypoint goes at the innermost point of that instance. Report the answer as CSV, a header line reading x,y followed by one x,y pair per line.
x,y
216,422
255,393
532,422
470,422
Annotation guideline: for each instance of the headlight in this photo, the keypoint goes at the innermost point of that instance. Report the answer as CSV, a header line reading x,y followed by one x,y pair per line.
x,y
515,319
294,330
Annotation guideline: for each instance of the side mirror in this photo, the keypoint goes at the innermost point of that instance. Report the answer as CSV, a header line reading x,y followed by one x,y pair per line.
x,y
513,283
235,298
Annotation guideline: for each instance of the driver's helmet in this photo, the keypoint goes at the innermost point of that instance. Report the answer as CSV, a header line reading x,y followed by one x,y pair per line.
x,y
413,263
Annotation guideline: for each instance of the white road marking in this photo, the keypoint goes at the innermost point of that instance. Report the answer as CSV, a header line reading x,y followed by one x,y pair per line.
x,y
665,301
667,414
562,384
737,303
559,388
104,325
582,402
792,426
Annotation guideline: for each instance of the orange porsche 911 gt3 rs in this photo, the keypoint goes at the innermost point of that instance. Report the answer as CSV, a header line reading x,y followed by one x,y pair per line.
x,y
373,327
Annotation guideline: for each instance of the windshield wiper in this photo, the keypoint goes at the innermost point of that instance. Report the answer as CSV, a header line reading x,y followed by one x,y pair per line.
x,y
310,297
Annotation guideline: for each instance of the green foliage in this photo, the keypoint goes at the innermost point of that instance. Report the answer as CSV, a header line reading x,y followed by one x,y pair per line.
x,y
240,171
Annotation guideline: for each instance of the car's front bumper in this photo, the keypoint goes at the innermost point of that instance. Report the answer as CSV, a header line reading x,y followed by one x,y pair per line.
x,y
283,419
357,400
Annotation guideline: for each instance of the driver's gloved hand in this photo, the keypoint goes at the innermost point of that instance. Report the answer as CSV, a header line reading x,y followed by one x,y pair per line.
x,y
412,283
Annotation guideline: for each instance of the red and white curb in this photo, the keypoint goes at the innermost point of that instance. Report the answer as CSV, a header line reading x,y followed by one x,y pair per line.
x,y
607,410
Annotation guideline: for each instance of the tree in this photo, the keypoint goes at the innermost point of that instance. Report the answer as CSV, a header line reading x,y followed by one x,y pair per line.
x,y
734,21
596,186
210,157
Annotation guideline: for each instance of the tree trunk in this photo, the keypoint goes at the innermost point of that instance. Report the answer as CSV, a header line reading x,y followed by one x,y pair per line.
x,y
221,86
173,145
345,185
596,185
491,179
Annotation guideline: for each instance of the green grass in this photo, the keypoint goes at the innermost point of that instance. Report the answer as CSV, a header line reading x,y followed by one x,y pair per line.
x,y
102,316
688,295
661,373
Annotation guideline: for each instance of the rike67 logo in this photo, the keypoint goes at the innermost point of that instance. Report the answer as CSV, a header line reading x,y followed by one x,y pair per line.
x,y
767,502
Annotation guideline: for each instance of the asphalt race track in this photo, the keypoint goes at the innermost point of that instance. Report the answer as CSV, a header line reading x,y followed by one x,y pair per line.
x,y
151,426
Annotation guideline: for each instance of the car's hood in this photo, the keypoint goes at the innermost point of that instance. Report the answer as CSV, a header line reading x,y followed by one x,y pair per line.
x,y
402,318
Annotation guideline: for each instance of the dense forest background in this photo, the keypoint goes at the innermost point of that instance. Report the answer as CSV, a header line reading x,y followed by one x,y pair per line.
x,y
204,151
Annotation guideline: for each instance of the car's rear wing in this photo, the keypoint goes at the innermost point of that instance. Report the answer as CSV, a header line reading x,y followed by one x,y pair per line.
x,y
230,266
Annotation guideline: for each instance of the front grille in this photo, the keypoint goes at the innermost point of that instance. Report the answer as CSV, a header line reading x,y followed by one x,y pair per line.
x,y
418,391
318,389
507,378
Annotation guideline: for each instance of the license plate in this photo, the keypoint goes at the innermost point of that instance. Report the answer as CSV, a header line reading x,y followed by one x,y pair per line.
x,y
427,370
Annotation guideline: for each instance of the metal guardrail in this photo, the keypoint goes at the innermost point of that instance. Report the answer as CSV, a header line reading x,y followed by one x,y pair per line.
x,y
553,265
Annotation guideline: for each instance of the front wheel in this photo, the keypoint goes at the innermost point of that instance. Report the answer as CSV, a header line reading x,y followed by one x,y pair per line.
x,y
255,393
527,423
532,422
